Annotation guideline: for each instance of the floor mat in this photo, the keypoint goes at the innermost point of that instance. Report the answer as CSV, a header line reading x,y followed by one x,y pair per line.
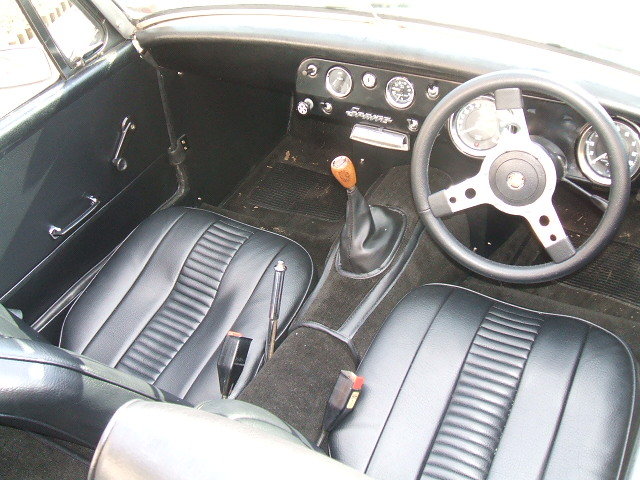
x,y
292,189
290,193
615,273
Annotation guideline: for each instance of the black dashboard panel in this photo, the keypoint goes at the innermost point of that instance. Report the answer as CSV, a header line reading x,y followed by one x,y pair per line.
x,y
547,118
364,104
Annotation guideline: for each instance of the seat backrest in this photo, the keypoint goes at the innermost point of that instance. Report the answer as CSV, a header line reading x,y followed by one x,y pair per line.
x,y
49,390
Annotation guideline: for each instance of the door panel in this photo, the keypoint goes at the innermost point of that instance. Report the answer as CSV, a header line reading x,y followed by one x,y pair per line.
x,y
60,155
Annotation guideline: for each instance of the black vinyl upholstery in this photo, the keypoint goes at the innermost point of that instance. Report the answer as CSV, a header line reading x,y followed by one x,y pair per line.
x,y
461,386
164,302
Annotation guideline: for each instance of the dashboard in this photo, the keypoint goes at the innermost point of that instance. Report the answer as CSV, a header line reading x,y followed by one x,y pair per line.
x,y
270,48
386,108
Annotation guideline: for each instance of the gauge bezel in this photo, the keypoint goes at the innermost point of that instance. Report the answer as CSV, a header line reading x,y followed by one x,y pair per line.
x,y
394,103
455,136
330,88
585,167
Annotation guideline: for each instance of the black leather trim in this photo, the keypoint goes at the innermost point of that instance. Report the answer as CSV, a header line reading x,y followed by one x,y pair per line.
x,y
566,409
49,390
13,327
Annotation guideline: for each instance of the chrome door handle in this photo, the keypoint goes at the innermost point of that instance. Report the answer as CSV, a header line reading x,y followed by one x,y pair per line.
x,y
117,160
57,232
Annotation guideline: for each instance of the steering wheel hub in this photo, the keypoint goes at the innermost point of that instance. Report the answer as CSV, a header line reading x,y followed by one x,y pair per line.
x,y
517,178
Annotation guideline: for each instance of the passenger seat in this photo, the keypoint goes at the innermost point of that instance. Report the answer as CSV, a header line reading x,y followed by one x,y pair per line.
x,y
162,305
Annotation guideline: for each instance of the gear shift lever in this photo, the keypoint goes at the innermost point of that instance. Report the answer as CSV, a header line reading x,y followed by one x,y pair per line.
x,y
371,234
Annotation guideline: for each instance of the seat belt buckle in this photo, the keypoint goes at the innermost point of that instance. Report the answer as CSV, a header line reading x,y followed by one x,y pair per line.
x,y
231,361
342,401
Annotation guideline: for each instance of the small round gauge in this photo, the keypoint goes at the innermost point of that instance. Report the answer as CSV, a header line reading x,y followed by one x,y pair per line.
x,y
400,92
475,128
593,158
339,82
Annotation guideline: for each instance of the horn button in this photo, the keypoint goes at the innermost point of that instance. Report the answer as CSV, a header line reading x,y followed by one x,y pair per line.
x,y
517,178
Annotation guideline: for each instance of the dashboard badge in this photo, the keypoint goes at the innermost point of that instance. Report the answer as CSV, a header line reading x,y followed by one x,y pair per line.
x,y
355,112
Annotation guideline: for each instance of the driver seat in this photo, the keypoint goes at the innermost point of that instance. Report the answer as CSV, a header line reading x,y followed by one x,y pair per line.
x,y
462,386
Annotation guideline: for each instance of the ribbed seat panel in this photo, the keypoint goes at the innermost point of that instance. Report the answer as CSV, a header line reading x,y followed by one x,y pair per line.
x,y
188,303
473,423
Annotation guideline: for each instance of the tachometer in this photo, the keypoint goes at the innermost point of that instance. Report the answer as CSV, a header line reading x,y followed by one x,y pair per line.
x,y
593,158
475,128
339,82
400,92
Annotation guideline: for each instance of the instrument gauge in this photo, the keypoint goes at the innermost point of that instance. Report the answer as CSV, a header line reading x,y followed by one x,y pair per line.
x,y
593,158
400,92
475,128
339,82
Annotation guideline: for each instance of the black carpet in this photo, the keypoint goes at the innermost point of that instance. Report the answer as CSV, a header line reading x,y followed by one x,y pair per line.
x,y
339,296
26,456
296,383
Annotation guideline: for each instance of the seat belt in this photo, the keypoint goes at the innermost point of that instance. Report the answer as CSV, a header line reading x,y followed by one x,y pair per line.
x,y
342,401
178,145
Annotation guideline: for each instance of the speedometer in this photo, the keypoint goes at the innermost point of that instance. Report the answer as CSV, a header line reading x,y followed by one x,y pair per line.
x,y
475,128
400,92
593,158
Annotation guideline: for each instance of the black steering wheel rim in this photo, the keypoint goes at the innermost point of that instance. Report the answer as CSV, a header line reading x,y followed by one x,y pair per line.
x,y
583,103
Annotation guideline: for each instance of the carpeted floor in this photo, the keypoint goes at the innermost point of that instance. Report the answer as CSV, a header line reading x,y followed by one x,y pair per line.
x,y
26,456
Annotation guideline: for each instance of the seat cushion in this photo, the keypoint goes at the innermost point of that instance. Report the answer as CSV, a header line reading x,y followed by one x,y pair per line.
x,y
161,306
462,386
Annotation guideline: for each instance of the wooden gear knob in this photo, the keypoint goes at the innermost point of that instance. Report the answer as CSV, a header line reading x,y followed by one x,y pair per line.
x,y
344,171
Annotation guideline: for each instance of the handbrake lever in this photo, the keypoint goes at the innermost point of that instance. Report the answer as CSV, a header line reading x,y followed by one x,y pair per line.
x,y
274,308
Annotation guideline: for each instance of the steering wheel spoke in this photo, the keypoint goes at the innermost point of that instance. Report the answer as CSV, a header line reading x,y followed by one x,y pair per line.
x,y
550,232
509,106
461,196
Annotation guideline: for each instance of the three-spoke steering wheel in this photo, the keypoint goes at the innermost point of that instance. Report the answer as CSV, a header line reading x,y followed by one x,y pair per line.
x,y
518,177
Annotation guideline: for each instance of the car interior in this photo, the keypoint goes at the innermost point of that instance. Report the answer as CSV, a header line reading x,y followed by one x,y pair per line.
x,y
289,241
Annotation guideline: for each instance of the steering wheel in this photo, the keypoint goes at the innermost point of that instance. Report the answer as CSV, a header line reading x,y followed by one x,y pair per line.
x,y
518,177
